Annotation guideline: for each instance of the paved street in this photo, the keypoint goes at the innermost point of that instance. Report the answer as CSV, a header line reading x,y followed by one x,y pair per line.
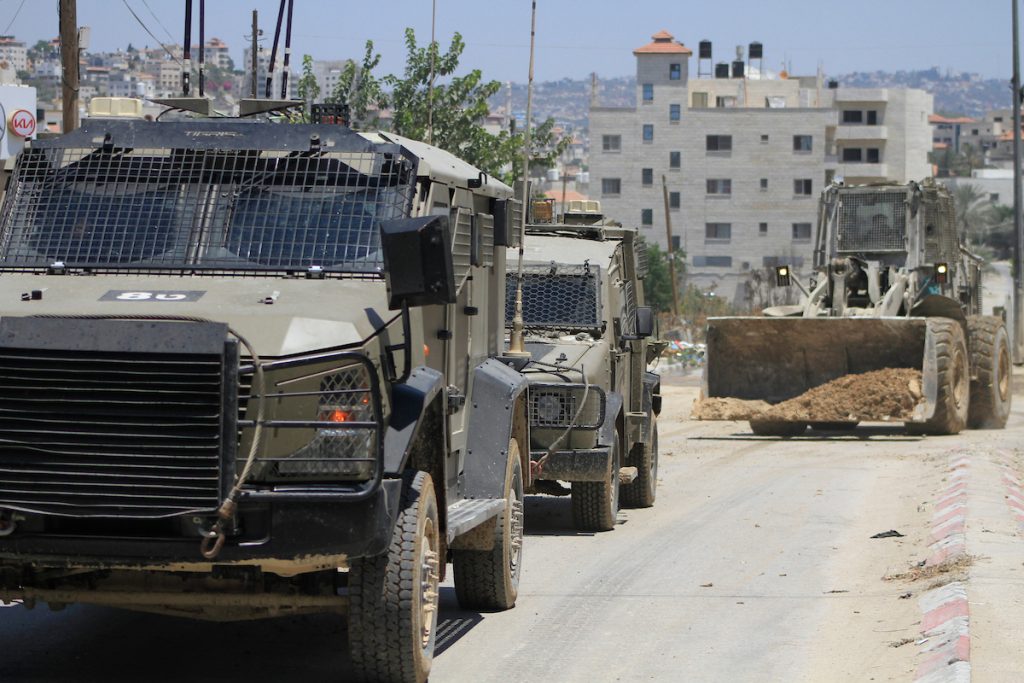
x,y
756,564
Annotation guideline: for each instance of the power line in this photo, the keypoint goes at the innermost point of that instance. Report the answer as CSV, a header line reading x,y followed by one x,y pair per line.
x,y
16,13
144,2
146,28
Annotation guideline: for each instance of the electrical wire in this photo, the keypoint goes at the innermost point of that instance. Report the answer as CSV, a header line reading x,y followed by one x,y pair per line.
x,y
144,2
151,35
16,13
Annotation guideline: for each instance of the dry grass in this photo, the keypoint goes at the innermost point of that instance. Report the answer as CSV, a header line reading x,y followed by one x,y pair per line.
x,y
948,571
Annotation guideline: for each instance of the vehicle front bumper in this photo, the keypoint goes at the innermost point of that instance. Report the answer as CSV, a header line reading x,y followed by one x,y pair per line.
x,y
583,464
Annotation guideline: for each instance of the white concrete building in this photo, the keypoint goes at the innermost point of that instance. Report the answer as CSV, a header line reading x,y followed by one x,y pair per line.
x,y
14,52
744,159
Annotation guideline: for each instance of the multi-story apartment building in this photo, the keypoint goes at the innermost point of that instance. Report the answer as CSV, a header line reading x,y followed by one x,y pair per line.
x,y
744,158
14,52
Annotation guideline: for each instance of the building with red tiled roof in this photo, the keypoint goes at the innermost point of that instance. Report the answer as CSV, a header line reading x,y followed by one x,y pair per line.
x,y
663,43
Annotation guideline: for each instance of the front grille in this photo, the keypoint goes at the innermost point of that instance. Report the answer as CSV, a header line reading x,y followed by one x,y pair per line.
x,y
564,405
872,222
110,434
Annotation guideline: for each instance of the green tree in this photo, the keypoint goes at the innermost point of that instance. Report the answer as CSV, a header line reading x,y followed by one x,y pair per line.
x,y
658,283
359,91
308,87
973,212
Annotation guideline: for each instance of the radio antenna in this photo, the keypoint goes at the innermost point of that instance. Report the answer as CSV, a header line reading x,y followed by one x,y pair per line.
x,y
515,341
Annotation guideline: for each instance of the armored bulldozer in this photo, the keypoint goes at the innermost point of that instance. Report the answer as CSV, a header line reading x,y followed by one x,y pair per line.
x,y
894,288
593,404
249,370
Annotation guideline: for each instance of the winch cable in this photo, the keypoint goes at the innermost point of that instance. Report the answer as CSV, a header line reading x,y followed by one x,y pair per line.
x,y
213,540
539,465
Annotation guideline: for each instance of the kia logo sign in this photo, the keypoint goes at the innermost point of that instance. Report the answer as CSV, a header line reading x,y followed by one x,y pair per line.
x,y
23,123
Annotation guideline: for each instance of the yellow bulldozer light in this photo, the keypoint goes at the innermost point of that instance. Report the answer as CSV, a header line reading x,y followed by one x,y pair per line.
x,y
782,276
941,273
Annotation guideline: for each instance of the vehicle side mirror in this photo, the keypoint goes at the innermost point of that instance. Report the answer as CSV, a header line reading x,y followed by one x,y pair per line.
x,y
418,261
644,322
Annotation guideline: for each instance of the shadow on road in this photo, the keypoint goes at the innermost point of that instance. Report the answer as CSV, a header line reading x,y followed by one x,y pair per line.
x,y
872,433
550,516
453,622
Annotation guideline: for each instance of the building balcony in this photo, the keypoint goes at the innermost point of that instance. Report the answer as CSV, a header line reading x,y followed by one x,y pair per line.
x,y
862,95
861,132
862,170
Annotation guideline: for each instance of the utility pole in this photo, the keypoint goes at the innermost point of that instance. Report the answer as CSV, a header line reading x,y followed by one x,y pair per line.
x,y
1018,272
671,253
69,63
253,89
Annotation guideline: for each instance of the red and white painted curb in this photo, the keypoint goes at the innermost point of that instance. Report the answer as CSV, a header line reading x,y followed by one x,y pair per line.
x,y
945,642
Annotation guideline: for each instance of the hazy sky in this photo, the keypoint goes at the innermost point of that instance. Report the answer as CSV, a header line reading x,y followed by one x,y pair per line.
x,y
575,37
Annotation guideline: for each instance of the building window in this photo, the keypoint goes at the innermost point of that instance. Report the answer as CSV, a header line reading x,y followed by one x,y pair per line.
x,y
647,176
830,175
700,100
764,184
712,261
677,243
648,132
801,232
802,143
675,72
648,89
993,197
762,229
674,112
647,217
802,186
673,200
853,116
719,143
725,102
719,186
674,159
853,155
611,186
611,143
872,118
764,139
873,155
718,231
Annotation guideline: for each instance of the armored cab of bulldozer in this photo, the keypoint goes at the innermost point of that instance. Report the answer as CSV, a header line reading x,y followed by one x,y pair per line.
x,y
249,371
593,403
894,288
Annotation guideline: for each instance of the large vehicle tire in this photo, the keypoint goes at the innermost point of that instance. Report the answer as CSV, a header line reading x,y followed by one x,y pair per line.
x,y
777,428
954,381
833,426
641,493
393,597
595,504
991,368
489,579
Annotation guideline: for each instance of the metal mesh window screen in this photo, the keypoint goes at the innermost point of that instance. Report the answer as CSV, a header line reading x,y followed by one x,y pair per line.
x,y
559,405
940,238
872,222
221,208
563,297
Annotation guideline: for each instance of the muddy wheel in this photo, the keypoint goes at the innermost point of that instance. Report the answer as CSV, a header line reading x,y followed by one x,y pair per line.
x,y
989,349
953,376
833,426
489,579
641,493
777,428
393,597
595,504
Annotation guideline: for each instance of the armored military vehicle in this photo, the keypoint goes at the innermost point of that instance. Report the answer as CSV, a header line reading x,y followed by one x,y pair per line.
x,y
593,404
248,371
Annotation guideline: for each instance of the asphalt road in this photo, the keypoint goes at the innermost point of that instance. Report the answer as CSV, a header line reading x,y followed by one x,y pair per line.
x,y
756,564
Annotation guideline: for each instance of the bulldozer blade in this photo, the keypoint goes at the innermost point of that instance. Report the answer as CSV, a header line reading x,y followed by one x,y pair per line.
x,y
776,359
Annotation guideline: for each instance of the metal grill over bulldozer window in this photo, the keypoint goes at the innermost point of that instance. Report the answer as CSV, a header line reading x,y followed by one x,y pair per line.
x,y
871,222
212,207
557,296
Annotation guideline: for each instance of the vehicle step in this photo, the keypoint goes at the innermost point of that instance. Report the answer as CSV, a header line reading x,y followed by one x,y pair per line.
x,y
467,514
627,475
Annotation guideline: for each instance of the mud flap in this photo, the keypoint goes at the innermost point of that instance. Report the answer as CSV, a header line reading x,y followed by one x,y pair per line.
x,y
776,359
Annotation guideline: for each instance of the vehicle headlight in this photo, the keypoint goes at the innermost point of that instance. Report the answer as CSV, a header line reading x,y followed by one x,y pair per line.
x,y
343,446
559,405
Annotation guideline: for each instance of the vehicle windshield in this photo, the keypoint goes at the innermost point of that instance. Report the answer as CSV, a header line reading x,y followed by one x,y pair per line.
x,y
223,209
872,222
557,297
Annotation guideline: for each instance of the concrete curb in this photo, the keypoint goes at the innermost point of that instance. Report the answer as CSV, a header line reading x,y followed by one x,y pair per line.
x,y
1014,490
945,642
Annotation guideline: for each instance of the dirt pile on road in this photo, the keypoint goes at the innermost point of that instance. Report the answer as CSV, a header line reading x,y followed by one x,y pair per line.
x,y
890,394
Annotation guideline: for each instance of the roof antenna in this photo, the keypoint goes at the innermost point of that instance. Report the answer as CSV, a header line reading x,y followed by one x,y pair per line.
x,y
273,50
202,47
515,341
186,66
287,51
430,84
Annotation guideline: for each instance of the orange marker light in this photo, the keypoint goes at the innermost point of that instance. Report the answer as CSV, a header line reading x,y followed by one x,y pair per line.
x,y
426,351
337,416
